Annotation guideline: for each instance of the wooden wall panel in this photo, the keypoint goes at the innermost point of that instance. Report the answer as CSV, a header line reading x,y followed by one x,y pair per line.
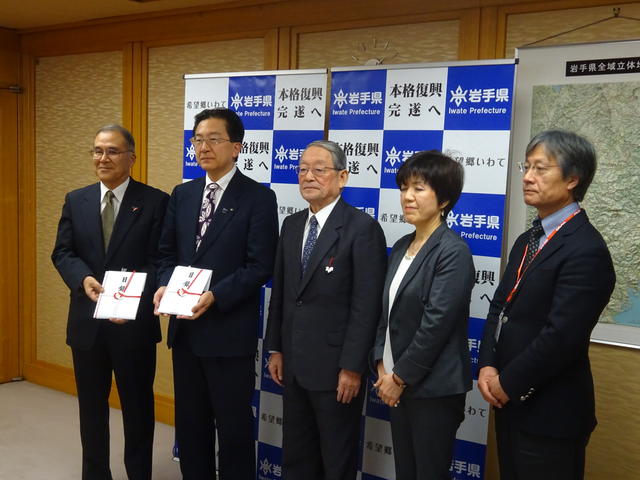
x,y
9,309
9,57
613,451
407,43
524,28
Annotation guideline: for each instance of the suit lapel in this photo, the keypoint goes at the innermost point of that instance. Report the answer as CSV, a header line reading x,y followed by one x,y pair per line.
x,y
555,243
329,234
129,212
295,245
225,211
429,245
191,212
92,219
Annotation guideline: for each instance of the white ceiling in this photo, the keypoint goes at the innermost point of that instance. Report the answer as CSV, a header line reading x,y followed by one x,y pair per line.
x,y
25,14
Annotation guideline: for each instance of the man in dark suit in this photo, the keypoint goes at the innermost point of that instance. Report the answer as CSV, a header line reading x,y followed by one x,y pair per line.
x,y
112,225
534,362
227,223
325,305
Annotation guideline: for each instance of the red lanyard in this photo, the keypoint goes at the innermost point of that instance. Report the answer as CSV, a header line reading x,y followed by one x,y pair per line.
x,y
524,255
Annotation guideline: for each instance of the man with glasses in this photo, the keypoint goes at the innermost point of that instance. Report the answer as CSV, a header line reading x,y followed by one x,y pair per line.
x,y
534,361
324,309
228,223
112,225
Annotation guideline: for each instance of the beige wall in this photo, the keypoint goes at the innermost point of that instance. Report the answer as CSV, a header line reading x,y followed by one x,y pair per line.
x,y
75,95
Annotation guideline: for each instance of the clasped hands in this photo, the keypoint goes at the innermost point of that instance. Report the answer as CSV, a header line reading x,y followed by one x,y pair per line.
x,y
388,389
490,388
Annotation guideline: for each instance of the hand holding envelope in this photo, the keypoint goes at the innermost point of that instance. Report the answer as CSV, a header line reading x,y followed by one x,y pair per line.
x,y
121,294
184,290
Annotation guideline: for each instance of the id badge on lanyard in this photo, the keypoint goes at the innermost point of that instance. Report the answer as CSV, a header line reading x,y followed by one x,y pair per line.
x,y
503,317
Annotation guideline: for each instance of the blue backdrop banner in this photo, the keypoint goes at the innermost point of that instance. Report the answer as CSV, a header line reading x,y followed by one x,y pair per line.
x,y
380,116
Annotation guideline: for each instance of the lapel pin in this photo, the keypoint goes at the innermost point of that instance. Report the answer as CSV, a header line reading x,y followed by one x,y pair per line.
x,y
134,209
329,267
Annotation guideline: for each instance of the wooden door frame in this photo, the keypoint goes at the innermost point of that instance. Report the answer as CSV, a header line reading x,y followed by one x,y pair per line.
x,y
9,245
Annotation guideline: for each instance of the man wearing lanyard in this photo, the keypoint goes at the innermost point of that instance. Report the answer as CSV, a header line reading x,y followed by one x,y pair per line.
x,y
534,362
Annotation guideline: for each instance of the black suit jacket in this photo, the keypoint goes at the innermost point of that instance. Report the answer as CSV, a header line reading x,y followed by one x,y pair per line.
x,y
326,320
239,246
79,252
542,351
429,317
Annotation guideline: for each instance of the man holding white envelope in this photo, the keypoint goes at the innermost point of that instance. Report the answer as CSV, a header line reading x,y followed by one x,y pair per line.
x,y
223,228
113,225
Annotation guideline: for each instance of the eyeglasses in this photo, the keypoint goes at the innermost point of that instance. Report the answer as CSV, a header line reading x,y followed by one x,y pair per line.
x,y
213,141
97,153
537,170
316,172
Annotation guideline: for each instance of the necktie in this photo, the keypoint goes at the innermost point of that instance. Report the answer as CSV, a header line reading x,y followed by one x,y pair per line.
x,y
312,236
206,213
534,241
108,216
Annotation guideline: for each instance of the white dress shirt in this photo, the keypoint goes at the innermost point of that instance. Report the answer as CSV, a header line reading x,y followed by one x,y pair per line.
x,y
223,183
321,216
387,357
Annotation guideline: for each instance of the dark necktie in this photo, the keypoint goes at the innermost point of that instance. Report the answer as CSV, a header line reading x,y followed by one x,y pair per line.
x,y
108,216
206,213
534,241
312,236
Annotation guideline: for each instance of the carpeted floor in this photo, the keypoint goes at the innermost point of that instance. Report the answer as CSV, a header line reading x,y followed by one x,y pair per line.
x,y
40,437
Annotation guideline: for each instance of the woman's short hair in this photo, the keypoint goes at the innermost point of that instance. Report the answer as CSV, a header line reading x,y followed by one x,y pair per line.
x,y
442,173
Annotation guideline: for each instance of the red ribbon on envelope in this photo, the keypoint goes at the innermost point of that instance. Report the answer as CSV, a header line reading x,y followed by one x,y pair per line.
x,y
119,295
184,291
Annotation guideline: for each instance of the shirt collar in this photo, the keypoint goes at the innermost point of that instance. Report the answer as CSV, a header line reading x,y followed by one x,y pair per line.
x,y
323,213
223,182
118,192
551,222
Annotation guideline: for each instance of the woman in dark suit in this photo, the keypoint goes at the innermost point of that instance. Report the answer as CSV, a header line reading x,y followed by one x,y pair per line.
x,y
421,352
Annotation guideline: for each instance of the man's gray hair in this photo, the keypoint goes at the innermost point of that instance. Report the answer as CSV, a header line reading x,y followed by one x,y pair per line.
x,y
126,134
337,154
575,156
